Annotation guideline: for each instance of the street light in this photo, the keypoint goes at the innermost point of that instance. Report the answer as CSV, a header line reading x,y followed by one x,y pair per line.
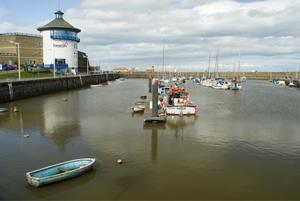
x,y
19,62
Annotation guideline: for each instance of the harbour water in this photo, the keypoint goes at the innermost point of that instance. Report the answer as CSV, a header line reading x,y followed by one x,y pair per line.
x,y
241,145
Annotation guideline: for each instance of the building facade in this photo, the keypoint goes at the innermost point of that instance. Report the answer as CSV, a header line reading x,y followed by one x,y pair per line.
x,y
60,43
31,49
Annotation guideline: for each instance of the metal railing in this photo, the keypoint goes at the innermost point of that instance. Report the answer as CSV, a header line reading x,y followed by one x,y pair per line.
x,y
68,75
19,34
64,37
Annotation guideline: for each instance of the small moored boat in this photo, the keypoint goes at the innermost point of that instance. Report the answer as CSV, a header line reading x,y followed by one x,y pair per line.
x,y
139,106
143,97
2,110
59,172
95,85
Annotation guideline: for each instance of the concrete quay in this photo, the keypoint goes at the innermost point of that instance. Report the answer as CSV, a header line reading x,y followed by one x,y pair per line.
x,y
16,90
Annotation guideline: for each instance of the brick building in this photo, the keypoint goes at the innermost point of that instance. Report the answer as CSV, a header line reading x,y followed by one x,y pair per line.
x,y
30,48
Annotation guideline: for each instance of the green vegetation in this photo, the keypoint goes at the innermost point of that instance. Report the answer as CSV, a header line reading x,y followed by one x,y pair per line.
x,y
15,75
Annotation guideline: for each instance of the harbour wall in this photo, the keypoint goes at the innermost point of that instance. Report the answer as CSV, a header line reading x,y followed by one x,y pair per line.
x,y
16,90
249,75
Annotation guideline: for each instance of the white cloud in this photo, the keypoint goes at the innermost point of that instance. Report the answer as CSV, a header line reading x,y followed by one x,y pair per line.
x,y
130,33
11,27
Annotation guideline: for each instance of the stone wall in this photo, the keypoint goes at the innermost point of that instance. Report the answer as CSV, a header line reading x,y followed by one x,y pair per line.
x,y
10,91
249,75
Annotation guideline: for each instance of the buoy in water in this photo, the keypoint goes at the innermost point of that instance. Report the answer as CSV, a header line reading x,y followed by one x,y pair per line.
x,y
65,99
15,109
26,135
119,161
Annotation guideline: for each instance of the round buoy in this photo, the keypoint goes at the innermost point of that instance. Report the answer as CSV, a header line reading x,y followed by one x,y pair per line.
x,y
15,109
119,161
26,135
65,99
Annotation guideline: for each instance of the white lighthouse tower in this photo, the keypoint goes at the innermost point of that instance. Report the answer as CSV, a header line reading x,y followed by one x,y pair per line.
x,y
60,43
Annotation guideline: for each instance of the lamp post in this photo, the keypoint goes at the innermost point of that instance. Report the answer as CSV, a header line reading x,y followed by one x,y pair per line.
x,y
19,62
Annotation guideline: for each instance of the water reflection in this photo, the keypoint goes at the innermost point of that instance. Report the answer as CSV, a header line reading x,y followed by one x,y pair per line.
x,y
61,119
50,117
154,137
174,123
178,123
247,141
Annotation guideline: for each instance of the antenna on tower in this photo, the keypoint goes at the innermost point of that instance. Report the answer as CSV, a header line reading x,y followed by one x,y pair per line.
x,y
58,4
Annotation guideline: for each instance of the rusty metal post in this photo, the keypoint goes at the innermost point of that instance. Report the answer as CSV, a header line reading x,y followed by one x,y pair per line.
x,y
155,98
149,84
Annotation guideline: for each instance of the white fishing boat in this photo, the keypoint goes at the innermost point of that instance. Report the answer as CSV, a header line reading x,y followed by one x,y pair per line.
x,y
182,110
178,103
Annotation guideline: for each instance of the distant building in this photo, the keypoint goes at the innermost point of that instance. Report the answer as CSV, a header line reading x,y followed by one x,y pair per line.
x,y
121,70
31,47
150,70
83,62
60,42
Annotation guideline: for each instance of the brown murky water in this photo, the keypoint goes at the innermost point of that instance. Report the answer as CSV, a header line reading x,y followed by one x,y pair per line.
x,y
242,145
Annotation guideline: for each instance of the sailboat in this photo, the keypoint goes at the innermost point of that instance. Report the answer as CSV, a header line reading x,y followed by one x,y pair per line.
x,y
207,82
291,83
235,83
243,78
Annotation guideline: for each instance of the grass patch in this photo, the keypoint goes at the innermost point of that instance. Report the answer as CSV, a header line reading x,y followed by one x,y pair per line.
x,y
15,75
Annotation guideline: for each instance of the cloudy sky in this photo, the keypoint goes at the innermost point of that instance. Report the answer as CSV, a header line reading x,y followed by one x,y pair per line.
x,y
131,33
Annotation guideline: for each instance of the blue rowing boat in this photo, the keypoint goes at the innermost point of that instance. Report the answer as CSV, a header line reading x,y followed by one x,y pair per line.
x,y
60,171
3,110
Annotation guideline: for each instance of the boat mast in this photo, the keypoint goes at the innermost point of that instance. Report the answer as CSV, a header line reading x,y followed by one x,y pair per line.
x,y
297,73
209,57
216,73
163,61
239,66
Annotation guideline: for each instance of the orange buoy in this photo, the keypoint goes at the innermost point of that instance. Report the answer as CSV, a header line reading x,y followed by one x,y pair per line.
x,y
15,109
65,99
119,161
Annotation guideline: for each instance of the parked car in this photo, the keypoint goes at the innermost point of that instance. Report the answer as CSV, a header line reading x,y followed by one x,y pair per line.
x,y
7,67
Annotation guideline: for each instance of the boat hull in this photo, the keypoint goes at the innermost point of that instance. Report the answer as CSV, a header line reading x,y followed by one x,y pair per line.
x,y
223,87
181,110
2,110
95,85
51,174
138,109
